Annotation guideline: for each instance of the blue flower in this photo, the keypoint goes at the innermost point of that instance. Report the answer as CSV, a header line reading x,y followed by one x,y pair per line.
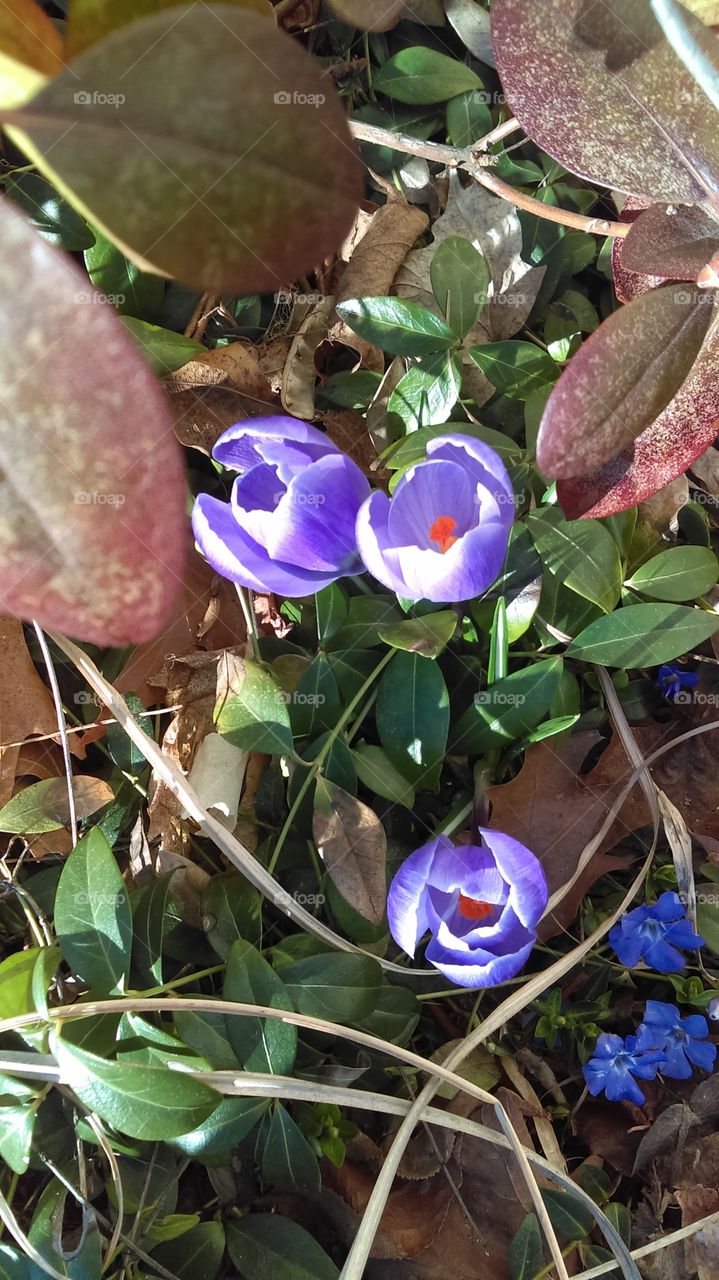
x,y
672,679
614,1065
682,1040
653,933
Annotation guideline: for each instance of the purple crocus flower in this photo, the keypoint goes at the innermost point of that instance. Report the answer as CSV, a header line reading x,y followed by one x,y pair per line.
x,y
682,1040
481,903
290,525
653,933
443,534
615,1063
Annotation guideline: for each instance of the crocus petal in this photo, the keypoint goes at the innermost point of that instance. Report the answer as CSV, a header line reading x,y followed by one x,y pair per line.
x,y
482,462
463,572
277,438
523,871
379,556
425,493
407,902
477,968
233,554
314,524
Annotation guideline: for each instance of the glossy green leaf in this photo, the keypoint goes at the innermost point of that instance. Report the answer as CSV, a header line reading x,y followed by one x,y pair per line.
x,y
286,1157
93,921
583,554
468,118
207,1034
428,391
460,279
83,1259
508,710
526,1250
376,771
141,1101
16,978
331,604
515,368
402,328
420,75
164,350
315,704
231,909
359,631
394,1016
260,144
251,710
681,573
130,291
214,1141
13,1265
92,542
270,1247
43,806
412,712
643,635
261,1044
570,1218
196,1254
48,214
337,986
149,919
16,1133
427,635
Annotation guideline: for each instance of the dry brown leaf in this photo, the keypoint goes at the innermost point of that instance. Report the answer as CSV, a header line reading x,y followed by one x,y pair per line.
x,y
351,842
380,252
208,394
300,375
348,430
26,706
554,811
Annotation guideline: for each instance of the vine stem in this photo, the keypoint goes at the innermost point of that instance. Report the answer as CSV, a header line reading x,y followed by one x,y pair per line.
x,y
471,160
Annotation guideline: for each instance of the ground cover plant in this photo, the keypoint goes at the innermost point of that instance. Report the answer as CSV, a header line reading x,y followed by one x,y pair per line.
x,y
359,908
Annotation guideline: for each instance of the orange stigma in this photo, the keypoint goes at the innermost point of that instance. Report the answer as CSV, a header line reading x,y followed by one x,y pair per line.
x,y
474,908
442,532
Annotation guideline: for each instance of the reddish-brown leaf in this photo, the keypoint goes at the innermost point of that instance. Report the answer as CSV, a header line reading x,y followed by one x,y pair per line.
x,y
629,284
93,494
600,89
675,241
622,379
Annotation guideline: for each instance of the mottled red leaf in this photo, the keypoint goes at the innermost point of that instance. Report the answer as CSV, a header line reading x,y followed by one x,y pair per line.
x,y
92,517
622,378
661,453
675,241
600,89
630,284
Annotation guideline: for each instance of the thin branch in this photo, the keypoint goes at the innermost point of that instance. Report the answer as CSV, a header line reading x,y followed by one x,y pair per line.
x,y
471,160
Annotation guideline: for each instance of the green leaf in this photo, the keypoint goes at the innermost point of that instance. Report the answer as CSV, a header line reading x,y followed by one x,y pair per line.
x,y
16,983
261,1044
360,630
428,391
163,349
13,1265
583,554
515,368
287,1159
196,1254
568,1215
427,636
402,328
16,1132
315,703
270,1247
251,710
84,1260
207,1034
122,750
508,709
337,986
331,604
419,75
130,291
45,969
148,1102
51,216
269,150
468,118
214,1141
460,278
526,1250
149,910
376,771
394,1016
621,1219
414,447
643,635
352,844
93,921
43,806
231,909
681,573
413,718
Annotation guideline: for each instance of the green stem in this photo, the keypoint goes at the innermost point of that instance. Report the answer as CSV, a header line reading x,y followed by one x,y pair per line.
x,y
322,755
180,982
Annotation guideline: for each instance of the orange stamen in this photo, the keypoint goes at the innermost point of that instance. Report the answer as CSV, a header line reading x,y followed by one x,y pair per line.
x,y
442,532
474,908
